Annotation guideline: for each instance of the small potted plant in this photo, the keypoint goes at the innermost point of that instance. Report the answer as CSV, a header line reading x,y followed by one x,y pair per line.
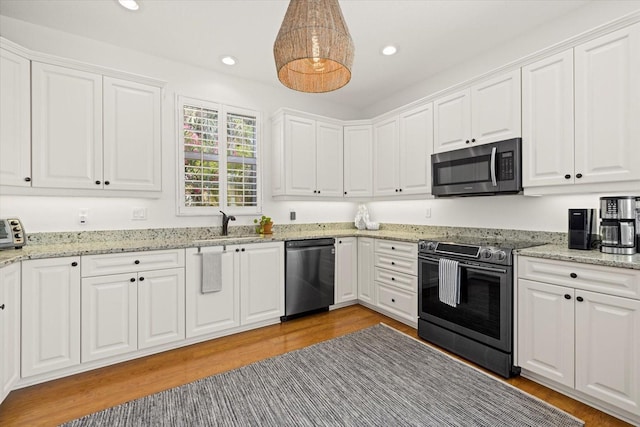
x,y
263,225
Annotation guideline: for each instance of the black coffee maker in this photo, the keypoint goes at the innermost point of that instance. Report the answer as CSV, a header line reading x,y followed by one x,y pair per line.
x,y
583,226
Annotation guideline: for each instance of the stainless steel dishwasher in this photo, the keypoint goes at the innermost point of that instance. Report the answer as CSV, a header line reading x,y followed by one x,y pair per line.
x,y
310,276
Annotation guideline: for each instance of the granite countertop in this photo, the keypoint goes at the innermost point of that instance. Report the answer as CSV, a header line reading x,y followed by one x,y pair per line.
x,y
562,253
50,245
9,256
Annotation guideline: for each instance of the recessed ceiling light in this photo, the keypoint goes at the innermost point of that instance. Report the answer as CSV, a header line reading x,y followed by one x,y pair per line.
x,y
389,50
228,60
129,4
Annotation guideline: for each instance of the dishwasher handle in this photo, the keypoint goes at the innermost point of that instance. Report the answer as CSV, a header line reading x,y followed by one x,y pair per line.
x,y
309,243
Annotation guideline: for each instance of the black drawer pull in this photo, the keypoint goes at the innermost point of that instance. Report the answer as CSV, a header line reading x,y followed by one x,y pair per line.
x,y
573,275
393,279
242,249
27,179
393,263
567,296
141,279
237,250
567,176
393,300
580,299
74,264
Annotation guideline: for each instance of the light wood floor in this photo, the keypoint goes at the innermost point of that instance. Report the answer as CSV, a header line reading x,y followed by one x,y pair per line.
x,y
62,400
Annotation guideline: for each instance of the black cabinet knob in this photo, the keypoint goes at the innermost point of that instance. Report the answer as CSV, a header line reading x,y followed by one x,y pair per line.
x,y
141,279
473,140
580,299
340,241
106,183
97,182
133,279
27,179
393,300
400,190
74,264
345,192
136,261
396,190
393,248
242,249
578,175
573,275
567,176
315,191
467,141
393,279
237,250
318,191
393,263
567,296
2,307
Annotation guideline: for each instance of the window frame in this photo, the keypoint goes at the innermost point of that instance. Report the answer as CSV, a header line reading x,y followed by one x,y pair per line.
x,y
222,110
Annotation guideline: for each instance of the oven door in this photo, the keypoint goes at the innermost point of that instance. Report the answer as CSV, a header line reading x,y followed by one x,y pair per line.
x,y
485,312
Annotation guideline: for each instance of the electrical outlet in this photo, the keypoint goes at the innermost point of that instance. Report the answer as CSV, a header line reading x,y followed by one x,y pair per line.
x,y
83,216
139,214
292,215
428,213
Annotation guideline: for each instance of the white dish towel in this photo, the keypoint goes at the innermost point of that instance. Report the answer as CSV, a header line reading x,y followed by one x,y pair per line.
x,y
449,282
211,272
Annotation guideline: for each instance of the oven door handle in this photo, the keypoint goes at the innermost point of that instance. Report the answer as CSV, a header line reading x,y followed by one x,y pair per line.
x,y
469,266
493,166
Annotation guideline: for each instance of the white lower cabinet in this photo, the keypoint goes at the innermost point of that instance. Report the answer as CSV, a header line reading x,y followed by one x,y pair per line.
x,y
252,289
365,270
582,339
395,279
9,328
50,314
346,269
134,309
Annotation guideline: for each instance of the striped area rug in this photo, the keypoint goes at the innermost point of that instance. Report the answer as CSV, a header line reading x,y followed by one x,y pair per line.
x,y
374,377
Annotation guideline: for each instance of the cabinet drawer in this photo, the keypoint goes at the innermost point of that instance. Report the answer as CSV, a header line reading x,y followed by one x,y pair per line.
x,y
99,265
407,282
404,304
397,263
393,247
608,280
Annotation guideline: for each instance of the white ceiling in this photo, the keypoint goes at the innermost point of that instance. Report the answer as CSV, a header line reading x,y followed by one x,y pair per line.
x,y
431,36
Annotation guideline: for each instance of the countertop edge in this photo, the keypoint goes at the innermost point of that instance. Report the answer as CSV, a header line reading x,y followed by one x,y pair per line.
x,y
592,257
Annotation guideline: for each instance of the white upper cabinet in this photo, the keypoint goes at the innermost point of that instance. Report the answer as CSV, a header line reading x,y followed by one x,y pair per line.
x,y
547,121
607,107
486,112
416,147
386,152
67,127
15,113
132,140
86,136
307,157
329,159
358,161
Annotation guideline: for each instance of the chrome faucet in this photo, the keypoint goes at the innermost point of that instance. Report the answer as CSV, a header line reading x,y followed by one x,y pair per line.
x,y
225,223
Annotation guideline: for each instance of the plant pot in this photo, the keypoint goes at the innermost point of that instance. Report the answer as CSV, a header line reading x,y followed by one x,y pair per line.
x,y
267,228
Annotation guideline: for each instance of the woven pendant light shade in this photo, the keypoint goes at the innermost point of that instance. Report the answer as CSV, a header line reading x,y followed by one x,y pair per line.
x,y
313,50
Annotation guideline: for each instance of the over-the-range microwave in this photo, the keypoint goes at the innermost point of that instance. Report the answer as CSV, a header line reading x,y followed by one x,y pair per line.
x,y
487,169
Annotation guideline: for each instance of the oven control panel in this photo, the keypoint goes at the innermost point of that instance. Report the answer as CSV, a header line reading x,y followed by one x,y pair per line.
x,y
482,253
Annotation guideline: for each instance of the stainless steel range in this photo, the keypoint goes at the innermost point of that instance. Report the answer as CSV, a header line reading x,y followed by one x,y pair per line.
x,y
465,299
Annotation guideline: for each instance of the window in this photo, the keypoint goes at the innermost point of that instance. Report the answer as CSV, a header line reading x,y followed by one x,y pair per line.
x,y
219,158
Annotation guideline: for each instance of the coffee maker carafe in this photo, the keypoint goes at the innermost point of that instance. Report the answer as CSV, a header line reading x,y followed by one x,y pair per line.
x,y
618,225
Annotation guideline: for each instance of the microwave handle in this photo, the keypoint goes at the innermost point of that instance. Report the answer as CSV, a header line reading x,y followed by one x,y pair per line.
x,y
493,166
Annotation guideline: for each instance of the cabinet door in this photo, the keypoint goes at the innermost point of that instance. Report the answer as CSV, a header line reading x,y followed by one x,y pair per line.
x,y
213,311
132,136
607,108
608,349
67,127
547,121
261,282
452,122
416,146
109,316
329,164
385,158
365,270
15,117
160,307
9,328
300,156
346,269
495,109
358,161
545,330
50,314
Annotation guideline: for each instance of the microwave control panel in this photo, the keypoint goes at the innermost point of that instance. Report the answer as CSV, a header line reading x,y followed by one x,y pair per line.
x,y
505,166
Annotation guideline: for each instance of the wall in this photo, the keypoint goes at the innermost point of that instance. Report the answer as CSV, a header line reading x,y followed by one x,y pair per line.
x,y
548,213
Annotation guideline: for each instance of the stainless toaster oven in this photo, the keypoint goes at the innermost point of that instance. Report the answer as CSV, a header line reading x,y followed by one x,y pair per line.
x,y
11,233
